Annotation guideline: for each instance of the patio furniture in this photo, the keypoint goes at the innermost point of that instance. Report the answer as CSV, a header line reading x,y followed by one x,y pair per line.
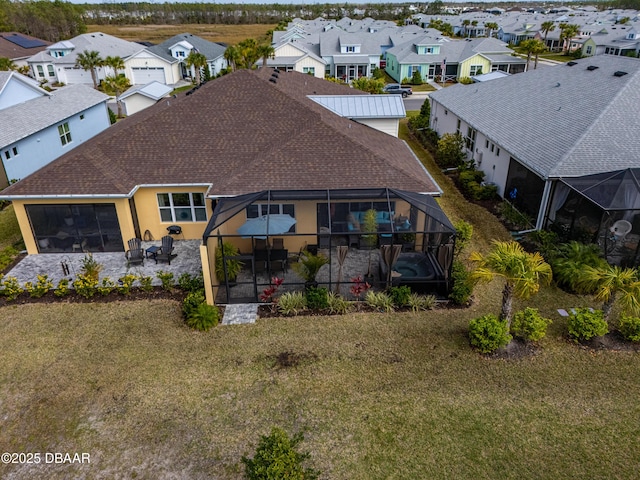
x,y
152,251
164,254
620,229
278,244
135,254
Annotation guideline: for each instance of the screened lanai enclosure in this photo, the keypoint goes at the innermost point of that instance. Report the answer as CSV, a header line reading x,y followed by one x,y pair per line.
x,y
383,236
603,209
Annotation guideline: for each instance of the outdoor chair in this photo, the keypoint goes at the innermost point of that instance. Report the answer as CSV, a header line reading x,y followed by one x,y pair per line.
x,y
278,244
135,254
166,250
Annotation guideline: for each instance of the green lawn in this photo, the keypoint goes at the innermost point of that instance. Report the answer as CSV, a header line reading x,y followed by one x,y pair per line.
x,y
10,238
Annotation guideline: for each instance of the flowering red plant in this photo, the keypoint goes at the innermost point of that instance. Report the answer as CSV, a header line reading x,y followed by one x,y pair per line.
x,y
268,293
359,286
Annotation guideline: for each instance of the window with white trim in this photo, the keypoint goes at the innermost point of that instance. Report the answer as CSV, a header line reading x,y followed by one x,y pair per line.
x,y
258,209
309,70
65,133
182,207
50,69
350,49
40,71
475,70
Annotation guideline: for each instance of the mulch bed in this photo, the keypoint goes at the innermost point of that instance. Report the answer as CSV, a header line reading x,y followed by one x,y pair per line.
x,y
613,341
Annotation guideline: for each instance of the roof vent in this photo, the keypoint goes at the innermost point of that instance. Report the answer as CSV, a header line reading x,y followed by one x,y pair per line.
x,y
619,74
571,64
273,80
591,68
275,70
274,75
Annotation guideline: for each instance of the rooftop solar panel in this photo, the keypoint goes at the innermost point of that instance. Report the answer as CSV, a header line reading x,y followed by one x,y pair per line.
x,y
24,42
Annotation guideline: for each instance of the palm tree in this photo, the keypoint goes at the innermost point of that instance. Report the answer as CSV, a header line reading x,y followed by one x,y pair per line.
x,y
7,64
546,27
537,48
568,32
527,46
116,63
116,86
90,60
491,26
198,61
266,52
465,24
606,282
522,271
248,50
232,56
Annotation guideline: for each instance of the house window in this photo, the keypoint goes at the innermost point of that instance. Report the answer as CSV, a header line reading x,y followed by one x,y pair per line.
x,y
182,207
458,126
82,116
588,49
258,209
476,70
52,72
40,71
351,49
309,70
470,139
180,53
65,133
414,68
493,147
486,144
498,152
11,152
446,112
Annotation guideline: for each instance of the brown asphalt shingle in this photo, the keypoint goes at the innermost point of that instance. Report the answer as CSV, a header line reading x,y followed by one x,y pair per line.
x,y
241,133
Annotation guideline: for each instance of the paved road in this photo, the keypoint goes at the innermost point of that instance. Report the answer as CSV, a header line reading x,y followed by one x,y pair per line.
x,y
414,102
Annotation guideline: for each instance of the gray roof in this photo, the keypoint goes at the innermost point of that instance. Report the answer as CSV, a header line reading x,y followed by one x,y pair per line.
x,y
211,50
24,119
154,90
363,106
559,121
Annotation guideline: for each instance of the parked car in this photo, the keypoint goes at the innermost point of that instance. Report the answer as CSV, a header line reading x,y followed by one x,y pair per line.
x,y
398,89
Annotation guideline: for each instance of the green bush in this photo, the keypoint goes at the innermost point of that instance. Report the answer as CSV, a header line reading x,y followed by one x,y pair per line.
x,y
569,262
416,78
106,286
11,288
630,328
400,296
166,278
63,288
462,287
338,305
317,298
449,152
203,317
7,255
488,333
42,286
378,73
125,283
465,80
85,285
585,324
292,303
145,283
421,302
190,283
529,325
379,300
276,458
191,302
464,232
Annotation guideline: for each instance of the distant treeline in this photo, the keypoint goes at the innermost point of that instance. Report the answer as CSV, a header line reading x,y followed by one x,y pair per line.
x,y
52,21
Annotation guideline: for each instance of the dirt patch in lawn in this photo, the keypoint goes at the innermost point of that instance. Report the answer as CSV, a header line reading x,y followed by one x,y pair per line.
x,y
613,341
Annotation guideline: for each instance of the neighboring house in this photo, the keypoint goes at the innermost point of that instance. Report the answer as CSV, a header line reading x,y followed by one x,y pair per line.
x,y
139,97
619,40
175,50
460,58
39,126
530,133
58,62
245,132
19,47
290,56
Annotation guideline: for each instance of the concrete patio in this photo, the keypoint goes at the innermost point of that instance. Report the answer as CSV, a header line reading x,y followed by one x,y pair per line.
x,y
186,260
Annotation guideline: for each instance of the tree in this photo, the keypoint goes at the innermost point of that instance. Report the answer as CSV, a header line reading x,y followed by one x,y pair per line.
x,y
7,64
546,27
90,61
248,52
537,48
265,52
523,272
491,26
197,61
609,281
116,64
568,32
465,24
232,56
527,46
370,85
116,86
435,7
449,153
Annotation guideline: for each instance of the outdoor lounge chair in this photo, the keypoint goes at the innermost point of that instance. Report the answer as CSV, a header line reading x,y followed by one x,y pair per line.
x,y
135,254
166,250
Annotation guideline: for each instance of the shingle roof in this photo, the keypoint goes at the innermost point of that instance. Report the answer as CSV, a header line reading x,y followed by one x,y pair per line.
x,y
24,119
11,49
211,50
240,133
560,121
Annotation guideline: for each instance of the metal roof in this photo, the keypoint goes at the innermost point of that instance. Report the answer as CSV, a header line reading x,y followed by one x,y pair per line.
x,y
363,106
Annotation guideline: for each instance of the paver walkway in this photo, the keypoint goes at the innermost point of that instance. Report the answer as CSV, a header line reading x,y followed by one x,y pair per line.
x,y
240,313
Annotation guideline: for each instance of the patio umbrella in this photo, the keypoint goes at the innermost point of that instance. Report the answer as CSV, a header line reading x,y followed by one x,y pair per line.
x,y
260,227
342,255
390,254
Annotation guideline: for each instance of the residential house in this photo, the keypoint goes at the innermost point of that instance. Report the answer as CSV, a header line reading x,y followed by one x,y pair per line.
x,y
39,126
57,63
294,56
621,40
532,133
139,97
19,46
176,163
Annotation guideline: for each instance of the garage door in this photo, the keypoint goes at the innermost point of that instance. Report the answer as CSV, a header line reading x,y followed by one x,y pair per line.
x,y
77,75
144,75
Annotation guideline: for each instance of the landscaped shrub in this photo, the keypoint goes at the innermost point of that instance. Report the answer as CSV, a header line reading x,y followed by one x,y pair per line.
x,y
465,80
291,303
462,287
7,255
488,333
90,267
630,328
191,302
421,302
125,283
203,317
569,263
464,232
62,289
449,153
585,324
11,288
106,286
471,183
166,278
277,458
416,78
338,305
400,295
85,286
42,286
190,283
514,218
145,283
379,300
529,325
317,298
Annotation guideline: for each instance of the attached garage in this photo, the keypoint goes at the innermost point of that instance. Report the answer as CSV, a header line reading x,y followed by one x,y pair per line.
x,y
75,76
144,75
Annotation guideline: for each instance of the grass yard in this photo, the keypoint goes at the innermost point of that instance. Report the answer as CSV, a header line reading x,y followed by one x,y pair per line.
x,y
10,238
230,34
